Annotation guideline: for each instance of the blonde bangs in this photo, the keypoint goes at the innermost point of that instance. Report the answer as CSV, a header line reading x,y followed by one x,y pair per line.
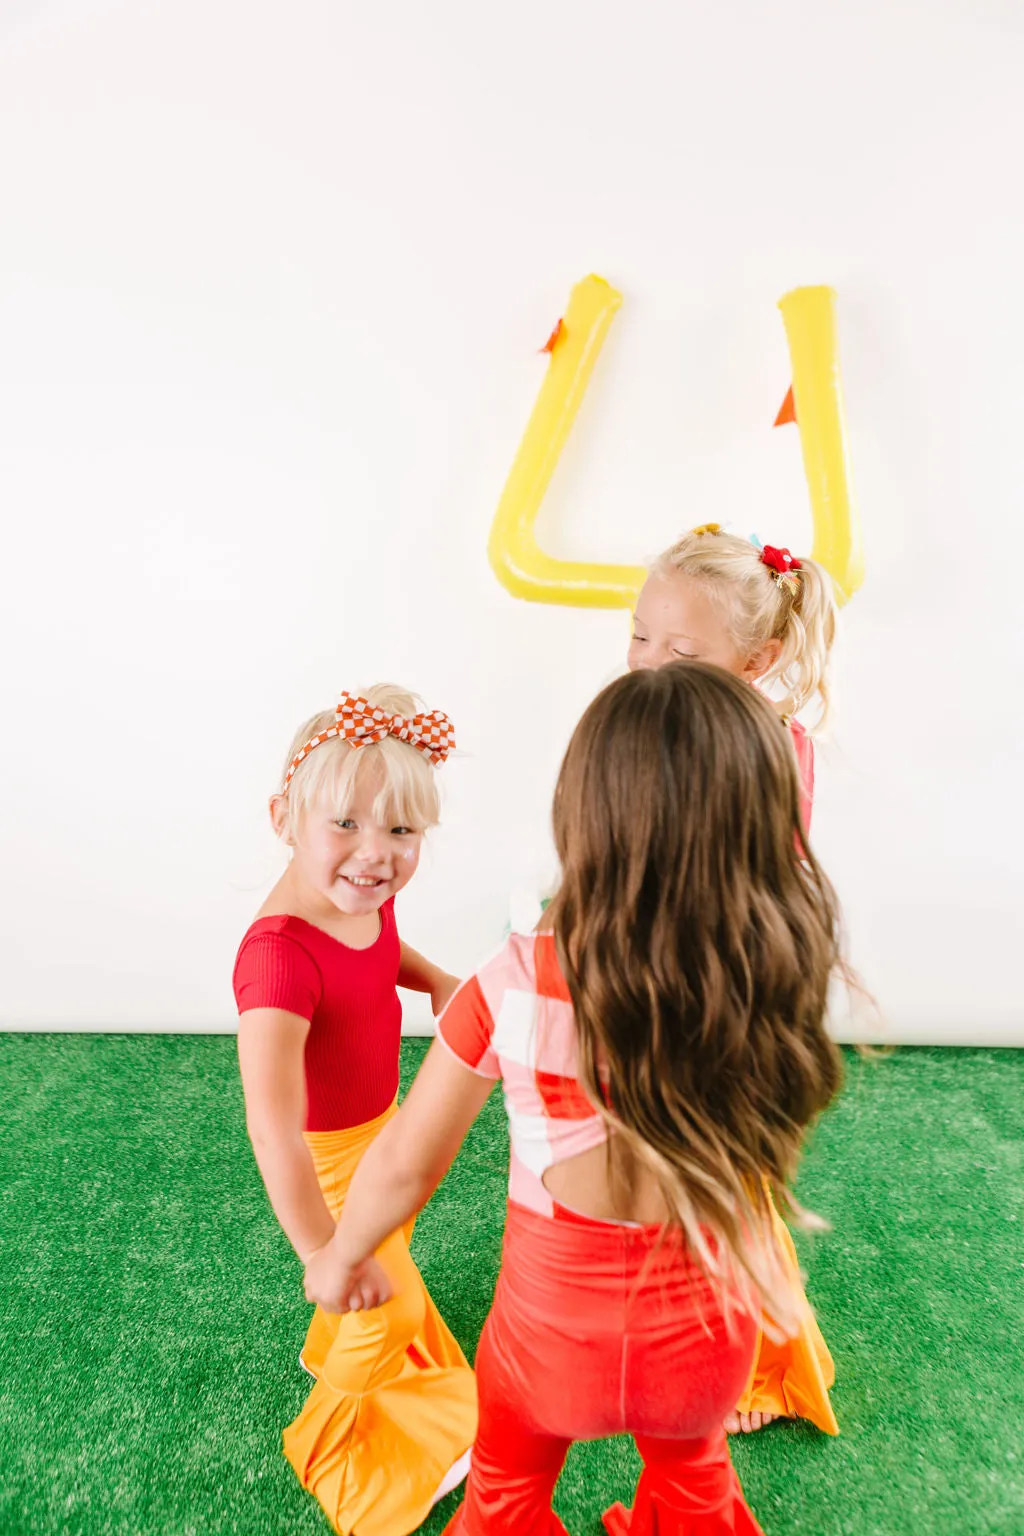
x,y
327,778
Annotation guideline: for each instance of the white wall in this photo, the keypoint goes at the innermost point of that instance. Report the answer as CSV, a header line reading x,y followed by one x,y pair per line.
x,y
272,281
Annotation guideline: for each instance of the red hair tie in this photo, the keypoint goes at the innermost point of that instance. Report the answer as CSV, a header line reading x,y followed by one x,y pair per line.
x,y
780,561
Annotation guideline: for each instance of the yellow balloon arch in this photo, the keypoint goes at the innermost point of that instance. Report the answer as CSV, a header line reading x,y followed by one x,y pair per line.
x,y
575,345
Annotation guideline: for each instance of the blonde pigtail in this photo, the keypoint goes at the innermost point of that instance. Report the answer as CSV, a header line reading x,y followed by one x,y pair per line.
x,y
804,665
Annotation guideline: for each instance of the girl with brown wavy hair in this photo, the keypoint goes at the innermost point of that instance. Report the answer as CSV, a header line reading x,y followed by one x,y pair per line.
x,y
662,1048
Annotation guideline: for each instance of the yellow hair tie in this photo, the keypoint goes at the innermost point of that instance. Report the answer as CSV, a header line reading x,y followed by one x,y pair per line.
x,y
706,528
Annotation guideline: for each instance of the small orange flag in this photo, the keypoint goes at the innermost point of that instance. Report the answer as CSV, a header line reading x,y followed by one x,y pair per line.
x,y
555,337
787,411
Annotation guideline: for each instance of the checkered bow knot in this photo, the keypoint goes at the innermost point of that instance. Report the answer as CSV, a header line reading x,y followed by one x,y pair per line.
x,y
361,723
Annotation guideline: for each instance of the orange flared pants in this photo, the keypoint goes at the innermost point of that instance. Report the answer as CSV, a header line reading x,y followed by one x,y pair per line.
x,y
792,1379
394,1404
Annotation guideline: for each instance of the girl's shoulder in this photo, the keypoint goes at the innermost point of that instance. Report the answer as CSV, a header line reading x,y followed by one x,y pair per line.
x,y
801,737
277,966
803,741
526,962
278,928
492,1018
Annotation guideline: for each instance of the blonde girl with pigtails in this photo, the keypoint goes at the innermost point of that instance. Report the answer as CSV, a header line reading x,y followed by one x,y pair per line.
x,y
769,619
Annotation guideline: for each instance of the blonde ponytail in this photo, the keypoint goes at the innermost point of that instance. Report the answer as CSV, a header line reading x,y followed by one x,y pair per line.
x,y
809,632
758,604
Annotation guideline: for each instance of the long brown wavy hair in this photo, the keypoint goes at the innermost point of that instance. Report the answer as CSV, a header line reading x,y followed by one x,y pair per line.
x,y
697,934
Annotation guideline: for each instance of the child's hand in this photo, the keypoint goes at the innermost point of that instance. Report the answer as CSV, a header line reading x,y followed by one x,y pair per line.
x,y
441,992
337,1286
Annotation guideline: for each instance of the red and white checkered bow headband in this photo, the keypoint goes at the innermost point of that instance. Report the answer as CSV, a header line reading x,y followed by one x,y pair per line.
x,y
360,723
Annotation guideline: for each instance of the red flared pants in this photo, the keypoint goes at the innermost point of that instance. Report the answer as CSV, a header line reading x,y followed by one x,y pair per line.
x,y
596,1331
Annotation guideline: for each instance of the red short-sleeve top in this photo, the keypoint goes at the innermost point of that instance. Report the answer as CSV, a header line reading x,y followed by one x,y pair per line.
x,y
351,1000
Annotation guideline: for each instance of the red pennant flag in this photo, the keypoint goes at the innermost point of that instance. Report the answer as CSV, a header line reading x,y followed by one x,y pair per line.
x,y
555,337
787,411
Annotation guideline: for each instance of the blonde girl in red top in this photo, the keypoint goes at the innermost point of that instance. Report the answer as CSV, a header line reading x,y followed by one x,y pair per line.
x,y
771,620
389,1421
662,1046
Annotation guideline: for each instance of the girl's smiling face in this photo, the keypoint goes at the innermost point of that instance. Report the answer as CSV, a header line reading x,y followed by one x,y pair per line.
x,y
676,620
352,860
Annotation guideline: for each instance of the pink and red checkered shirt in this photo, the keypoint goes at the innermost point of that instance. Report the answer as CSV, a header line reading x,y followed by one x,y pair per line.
x,y
513,1020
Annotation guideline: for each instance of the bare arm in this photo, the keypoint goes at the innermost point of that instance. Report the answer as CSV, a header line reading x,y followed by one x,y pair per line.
x,y
270,1055
417,974
396,1177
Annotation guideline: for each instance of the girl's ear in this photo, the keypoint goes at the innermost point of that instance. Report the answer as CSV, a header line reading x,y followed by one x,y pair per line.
x,y
762,660
280,820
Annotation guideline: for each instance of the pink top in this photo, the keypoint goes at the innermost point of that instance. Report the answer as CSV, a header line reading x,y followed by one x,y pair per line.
x,y
514,1020
803,746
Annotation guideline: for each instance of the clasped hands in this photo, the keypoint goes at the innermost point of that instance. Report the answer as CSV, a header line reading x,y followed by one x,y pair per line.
x,y
337,1285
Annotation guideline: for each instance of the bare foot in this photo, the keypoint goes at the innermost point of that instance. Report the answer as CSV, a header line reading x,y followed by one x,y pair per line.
x,y
746,1423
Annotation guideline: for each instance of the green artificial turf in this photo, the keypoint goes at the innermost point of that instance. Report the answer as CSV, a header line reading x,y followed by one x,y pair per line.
x,y
153,1312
